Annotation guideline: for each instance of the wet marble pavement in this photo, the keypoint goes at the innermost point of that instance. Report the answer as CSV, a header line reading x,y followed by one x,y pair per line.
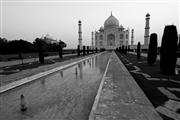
x,y
64,95
121,98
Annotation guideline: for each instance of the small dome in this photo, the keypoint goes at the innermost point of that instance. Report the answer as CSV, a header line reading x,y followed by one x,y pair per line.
x,y
79,21
110,22
47,36
147,15
121,26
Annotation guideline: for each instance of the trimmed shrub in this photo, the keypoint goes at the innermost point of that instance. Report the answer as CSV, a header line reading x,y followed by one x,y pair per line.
x,y
125,50
122,50
87,49
168,50
84,50
78,50
178,48
128,48
138,50
152,51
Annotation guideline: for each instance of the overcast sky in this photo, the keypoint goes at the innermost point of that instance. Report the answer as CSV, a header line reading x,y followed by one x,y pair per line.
x,y
24,19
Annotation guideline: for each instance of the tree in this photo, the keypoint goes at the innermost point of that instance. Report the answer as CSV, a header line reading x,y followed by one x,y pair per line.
x,y
39,44
15,46
168,50
138,50
3,46
152,51
61,46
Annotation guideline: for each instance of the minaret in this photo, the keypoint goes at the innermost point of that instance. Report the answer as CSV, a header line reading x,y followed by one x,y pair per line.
x,y
146,35
132,36
80,34
92,44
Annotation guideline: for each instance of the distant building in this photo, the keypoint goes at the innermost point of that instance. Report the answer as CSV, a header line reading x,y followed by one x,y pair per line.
x,y
48,39
112,35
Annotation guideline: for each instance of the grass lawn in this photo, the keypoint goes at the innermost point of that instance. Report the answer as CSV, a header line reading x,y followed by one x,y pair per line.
x,y
17,68
158,88
10,57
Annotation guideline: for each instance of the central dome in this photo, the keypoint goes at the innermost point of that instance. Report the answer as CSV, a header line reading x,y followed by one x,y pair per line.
x,y
111,22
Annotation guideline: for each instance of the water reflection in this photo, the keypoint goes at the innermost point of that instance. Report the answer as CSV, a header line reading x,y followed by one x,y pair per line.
x,y
84,62
81,69
93,61
61,72
67,92
89,61
100,61
76,72
96,64
43,84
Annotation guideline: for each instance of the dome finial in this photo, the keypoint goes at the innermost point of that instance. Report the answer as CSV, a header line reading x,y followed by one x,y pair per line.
x,y
111,13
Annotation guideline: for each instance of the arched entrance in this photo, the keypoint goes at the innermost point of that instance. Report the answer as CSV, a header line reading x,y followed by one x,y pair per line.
x,y
111,40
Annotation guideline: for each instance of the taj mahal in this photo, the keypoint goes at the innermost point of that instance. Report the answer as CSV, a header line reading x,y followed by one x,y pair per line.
x,y
111,35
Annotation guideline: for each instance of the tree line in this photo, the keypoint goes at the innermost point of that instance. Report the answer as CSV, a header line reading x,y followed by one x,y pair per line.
x,y
23,46
169,50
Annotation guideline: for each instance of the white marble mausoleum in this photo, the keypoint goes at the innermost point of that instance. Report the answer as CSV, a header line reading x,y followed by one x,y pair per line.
x,y
112,35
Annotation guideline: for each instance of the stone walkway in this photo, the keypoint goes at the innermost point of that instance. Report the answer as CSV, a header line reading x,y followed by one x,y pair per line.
x,y
120,98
